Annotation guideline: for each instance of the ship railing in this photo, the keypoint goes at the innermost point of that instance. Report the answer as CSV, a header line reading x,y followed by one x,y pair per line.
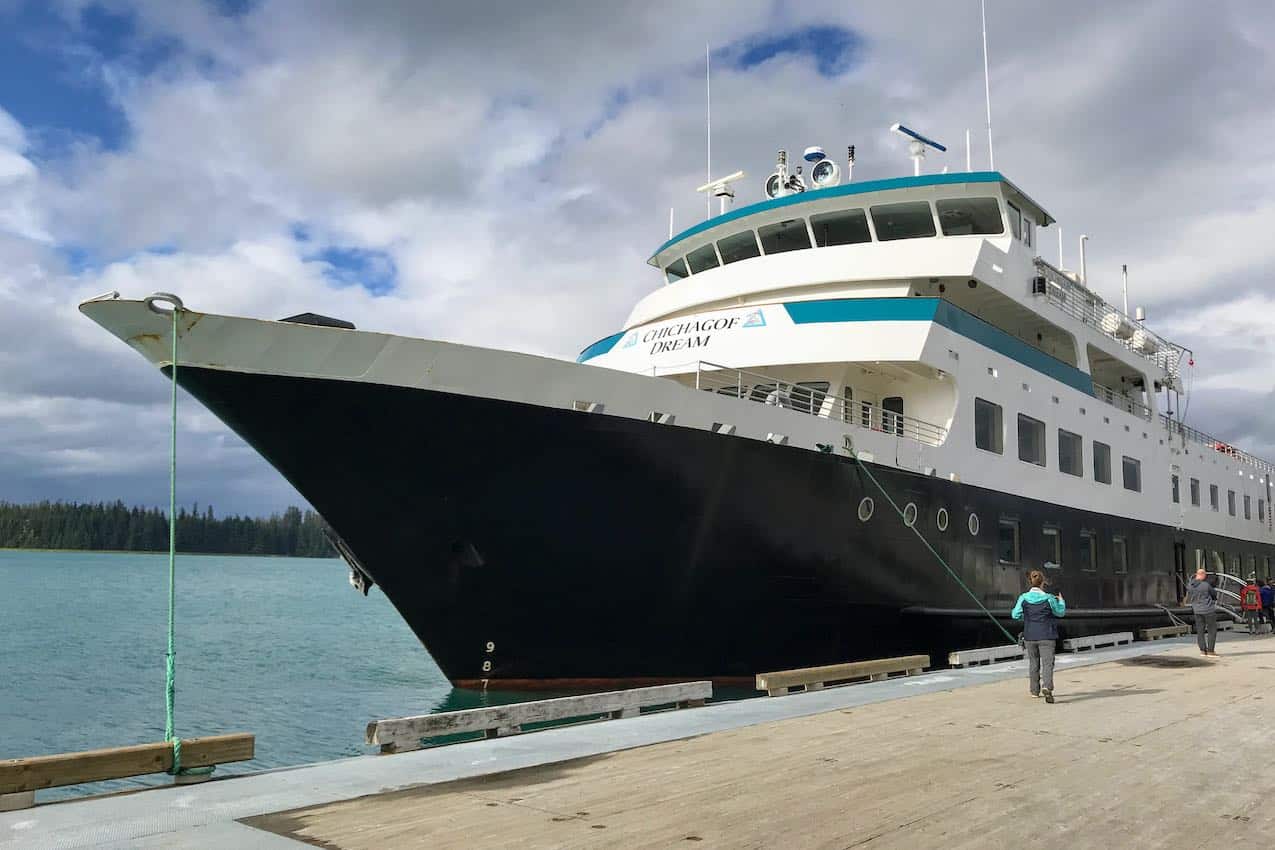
x,y
812,398
1191,435
1080,302
1120,400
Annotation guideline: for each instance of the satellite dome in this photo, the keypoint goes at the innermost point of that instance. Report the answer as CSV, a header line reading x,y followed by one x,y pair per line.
x,y
814,153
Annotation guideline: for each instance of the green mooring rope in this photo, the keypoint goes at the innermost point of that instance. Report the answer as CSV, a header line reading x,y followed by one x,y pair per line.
x,y
855,456
171,677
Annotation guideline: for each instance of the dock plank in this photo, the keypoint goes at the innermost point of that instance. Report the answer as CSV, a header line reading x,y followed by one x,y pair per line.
x,y
37,772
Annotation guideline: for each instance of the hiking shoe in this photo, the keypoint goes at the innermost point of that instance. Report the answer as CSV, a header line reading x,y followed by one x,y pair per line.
x,y
1048,694
1035,696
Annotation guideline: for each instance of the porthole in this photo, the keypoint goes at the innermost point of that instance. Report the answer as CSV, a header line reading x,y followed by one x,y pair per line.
x,y
974,524
866,507
909,514
941,519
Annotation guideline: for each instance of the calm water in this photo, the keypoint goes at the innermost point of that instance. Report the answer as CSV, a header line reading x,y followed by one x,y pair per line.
x,y
280,647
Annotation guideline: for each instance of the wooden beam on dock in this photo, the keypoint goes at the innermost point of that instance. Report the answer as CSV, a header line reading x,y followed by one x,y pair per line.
x,y
814,678
37,772
405,733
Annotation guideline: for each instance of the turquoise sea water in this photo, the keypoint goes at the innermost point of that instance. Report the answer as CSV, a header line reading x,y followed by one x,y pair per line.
x,y
280,647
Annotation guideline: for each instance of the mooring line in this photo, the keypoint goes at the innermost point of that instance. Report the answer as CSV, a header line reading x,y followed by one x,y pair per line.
x,y
855,457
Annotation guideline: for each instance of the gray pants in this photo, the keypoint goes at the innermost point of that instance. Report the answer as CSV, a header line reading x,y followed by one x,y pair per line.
x,y
1206,631
1040,665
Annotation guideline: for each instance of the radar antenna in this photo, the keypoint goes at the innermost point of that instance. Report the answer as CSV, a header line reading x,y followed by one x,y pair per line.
x,y
916,145
721,189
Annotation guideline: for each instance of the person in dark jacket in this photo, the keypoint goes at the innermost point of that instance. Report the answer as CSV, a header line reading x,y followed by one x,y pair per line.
x,y
1202,597
1039,612
1268,601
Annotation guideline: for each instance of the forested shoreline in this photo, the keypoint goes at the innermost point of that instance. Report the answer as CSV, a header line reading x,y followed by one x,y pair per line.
x,y
117,527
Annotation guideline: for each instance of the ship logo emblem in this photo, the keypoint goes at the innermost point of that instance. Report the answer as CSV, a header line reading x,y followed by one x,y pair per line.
x,y
755,319
630,340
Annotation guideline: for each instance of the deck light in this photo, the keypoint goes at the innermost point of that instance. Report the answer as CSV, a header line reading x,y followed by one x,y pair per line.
x,y
825,173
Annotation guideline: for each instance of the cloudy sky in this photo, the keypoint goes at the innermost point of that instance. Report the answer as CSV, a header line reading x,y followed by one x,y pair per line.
x,y
497,173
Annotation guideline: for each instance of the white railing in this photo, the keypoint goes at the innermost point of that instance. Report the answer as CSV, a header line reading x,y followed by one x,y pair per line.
x,y
1081,302
1189,434
1121,401
810,399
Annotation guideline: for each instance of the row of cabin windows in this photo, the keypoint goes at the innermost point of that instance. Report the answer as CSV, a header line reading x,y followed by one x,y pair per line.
x,y
907,220
989,431
1009,547
1213,499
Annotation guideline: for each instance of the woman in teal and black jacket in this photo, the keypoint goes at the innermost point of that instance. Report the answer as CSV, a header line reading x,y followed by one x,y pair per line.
x,y
1040,612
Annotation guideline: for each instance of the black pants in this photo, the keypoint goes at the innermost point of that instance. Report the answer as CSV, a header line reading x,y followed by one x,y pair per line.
x,y
1206,630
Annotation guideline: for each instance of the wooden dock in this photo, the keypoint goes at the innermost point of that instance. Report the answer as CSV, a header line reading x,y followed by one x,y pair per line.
x,y
1144,748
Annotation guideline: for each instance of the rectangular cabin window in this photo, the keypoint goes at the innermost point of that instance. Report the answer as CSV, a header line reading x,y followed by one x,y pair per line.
x,y
738,246
808,396
1015,220
790,235
1248,507
1088,552
1219,562
1029,232
1070,459
702,259
847,227
1261,510
1031,440
1119,555
969,216
1195,492
1052,548
1200,562
989,429
675,271
1235,564
1173,485
1101,462
1007,541
910,220
1132,469
1230,502
1213,501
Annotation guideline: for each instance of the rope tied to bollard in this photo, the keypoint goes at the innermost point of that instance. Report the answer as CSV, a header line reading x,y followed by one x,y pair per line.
x,y
863,466
175,308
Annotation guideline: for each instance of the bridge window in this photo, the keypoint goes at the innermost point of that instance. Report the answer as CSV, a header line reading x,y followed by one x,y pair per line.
x,y
738,246
988,428
1069,453
1101,462
845,227
702,259
1031,440
969,216
909,220
790,235
1132,469
1015,220
675,270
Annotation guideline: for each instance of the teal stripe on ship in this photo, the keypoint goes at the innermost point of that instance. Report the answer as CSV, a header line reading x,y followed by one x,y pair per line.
x,y
949,316
600,347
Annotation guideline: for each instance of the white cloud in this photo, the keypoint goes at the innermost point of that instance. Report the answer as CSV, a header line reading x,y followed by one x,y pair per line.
x,y
517,165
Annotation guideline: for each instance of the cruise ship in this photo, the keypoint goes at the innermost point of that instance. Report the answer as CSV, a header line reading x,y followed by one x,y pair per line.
x,y
844,424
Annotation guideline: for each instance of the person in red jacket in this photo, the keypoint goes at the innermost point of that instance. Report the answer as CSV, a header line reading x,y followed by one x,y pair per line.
x,y
1251,605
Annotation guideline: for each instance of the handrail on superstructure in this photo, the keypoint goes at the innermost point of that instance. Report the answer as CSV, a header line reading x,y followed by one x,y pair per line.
x,y
1121,401
754,386
1186,432
1081,302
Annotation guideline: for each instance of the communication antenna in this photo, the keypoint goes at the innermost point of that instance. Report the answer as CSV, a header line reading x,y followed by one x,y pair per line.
x,y
916,145
987,90
708,115
850,163
720,189
1124,286
1084,275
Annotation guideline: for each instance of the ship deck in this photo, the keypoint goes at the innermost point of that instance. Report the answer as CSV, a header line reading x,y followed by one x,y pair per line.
x,y
1148,746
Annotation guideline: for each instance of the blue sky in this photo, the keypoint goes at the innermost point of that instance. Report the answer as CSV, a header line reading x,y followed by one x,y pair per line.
x,y
415,169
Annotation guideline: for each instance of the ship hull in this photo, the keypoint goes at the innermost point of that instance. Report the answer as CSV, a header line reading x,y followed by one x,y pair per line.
x,y
537,546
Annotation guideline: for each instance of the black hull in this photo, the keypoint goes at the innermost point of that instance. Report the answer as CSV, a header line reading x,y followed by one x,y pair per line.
x,y
585,548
